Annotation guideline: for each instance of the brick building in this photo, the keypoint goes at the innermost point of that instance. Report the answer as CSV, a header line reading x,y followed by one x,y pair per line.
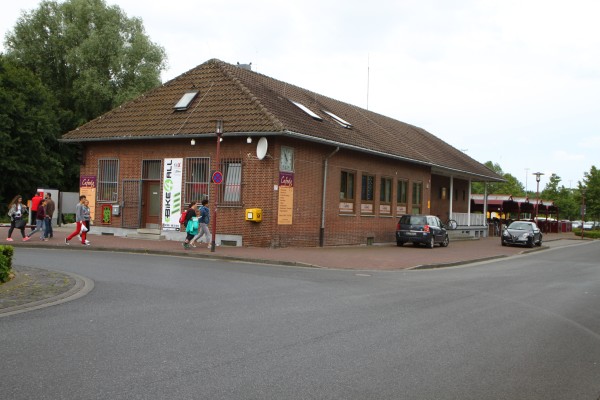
x,y
320,171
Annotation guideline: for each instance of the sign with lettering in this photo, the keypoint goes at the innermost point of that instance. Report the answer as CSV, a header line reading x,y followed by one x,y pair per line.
x,y
285,209
171,200
87,187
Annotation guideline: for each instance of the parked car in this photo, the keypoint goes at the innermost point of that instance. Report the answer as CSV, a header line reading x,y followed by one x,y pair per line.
x,y
524,233
575,224
421,229
589,225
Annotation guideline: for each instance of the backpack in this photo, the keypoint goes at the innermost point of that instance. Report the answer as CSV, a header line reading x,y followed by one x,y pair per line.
x,y
182,218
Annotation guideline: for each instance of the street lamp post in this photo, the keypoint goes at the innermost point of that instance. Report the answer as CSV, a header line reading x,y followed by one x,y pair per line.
x,y
538,176
582,210
219,132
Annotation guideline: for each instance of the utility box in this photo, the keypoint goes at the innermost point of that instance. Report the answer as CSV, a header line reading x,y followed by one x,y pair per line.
x,y
254,214
116,209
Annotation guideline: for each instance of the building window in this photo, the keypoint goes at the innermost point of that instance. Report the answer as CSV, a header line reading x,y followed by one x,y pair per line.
x,y
151,170
108,180
417,197
385,196
230,190
347,180
367,194
197,177
401,197
347,186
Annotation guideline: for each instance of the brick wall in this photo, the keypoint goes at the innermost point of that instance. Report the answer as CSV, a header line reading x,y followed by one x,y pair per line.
x,y
259,188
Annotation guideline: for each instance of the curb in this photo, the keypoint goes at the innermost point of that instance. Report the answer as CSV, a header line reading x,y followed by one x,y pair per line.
x,y
81,288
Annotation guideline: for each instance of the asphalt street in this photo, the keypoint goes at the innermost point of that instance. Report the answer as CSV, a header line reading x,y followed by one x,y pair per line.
x,y
156,327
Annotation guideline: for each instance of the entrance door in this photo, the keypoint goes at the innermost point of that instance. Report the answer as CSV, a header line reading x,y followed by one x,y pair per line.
x,y
151,204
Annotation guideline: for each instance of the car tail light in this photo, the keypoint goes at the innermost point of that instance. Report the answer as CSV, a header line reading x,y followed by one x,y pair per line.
x,y
426,228
398,226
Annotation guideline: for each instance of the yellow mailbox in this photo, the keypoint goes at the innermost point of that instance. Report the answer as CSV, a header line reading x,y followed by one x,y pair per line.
x,y
254,214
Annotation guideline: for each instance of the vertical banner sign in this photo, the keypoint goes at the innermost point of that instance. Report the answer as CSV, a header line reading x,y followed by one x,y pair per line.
x,y
285,207
171,199
87,187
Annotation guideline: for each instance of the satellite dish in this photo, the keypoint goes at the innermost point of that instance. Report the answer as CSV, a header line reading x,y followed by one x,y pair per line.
x,y
261,148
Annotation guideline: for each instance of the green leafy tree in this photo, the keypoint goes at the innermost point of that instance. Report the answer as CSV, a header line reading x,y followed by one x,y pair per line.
x,y
92,56
563,198
28,133
591,185
512,186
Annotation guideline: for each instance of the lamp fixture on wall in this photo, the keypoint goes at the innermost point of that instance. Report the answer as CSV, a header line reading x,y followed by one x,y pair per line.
x,y
193,142
249,139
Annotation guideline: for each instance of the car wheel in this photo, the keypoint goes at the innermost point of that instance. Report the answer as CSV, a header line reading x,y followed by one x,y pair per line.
x,y
503,243
431,242
530,243
539,243
399,243
445,242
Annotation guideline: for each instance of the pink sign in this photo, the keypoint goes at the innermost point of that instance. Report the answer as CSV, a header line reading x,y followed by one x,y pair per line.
x,y
87,181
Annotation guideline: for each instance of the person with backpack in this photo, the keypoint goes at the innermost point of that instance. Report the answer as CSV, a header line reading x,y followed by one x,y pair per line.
x,y
191,224
203,225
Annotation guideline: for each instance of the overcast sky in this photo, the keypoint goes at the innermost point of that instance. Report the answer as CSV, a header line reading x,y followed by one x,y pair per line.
x,y
513,82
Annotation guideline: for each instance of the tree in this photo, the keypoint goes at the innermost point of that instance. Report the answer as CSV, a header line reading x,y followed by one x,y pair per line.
x,y
90,55
563,198
512,186
28,133
591,185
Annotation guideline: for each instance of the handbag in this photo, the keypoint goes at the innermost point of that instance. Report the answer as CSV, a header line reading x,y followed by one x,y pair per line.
x,y
19,223
83,228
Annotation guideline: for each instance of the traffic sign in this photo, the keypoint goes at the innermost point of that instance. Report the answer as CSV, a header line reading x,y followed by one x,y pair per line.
x,y
217,177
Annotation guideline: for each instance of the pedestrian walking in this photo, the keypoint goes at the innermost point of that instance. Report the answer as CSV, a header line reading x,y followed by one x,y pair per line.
x,y
40,221
79,218
203,222
16,211
35,203
191,224
86,216
50,208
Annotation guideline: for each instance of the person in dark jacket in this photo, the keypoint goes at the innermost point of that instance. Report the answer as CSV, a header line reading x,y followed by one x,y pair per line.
x,y
50,208
40,221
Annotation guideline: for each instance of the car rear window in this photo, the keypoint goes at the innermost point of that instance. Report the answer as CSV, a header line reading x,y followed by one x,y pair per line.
x,y
413,220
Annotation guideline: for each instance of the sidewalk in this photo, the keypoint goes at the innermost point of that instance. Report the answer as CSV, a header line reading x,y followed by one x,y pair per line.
x,y
35,288
377,257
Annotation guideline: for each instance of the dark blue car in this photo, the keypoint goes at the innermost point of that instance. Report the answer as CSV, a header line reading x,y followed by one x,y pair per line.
x,y
421,229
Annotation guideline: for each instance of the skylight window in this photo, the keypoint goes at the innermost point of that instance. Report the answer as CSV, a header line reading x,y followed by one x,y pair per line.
x,y
307,110
339,120
185,100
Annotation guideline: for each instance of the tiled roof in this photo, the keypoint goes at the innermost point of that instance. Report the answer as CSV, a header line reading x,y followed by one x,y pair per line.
x,y
251,102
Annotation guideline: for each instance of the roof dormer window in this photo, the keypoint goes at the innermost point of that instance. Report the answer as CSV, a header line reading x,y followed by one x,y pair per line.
x,y
185,100
307,110
339,120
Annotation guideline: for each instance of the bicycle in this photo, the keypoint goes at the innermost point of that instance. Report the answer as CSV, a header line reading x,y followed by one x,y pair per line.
x,y
451,224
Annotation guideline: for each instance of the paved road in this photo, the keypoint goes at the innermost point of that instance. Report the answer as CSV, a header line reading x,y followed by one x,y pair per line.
x,y
157,327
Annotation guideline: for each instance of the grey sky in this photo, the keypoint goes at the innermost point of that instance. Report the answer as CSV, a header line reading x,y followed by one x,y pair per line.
x,y
514,82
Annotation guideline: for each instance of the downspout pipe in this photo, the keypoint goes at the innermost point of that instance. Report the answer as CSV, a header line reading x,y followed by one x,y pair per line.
x,y
323,203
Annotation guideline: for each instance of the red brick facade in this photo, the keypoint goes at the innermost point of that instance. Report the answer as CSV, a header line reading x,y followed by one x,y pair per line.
x,y
260,180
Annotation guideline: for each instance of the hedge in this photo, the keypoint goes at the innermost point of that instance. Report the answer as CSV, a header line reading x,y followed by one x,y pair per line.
x,y
594,234
6,256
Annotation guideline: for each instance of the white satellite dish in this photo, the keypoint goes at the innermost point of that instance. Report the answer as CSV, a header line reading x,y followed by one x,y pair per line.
x,y
261,148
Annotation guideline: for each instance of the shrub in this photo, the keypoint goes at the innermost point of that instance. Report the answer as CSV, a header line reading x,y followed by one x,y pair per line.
x,y
6,255
594,234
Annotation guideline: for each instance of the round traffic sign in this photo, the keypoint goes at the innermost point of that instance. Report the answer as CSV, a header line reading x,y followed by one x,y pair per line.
x,y
217,177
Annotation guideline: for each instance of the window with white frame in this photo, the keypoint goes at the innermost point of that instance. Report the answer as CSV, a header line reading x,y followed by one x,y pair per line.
x,y
230,190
